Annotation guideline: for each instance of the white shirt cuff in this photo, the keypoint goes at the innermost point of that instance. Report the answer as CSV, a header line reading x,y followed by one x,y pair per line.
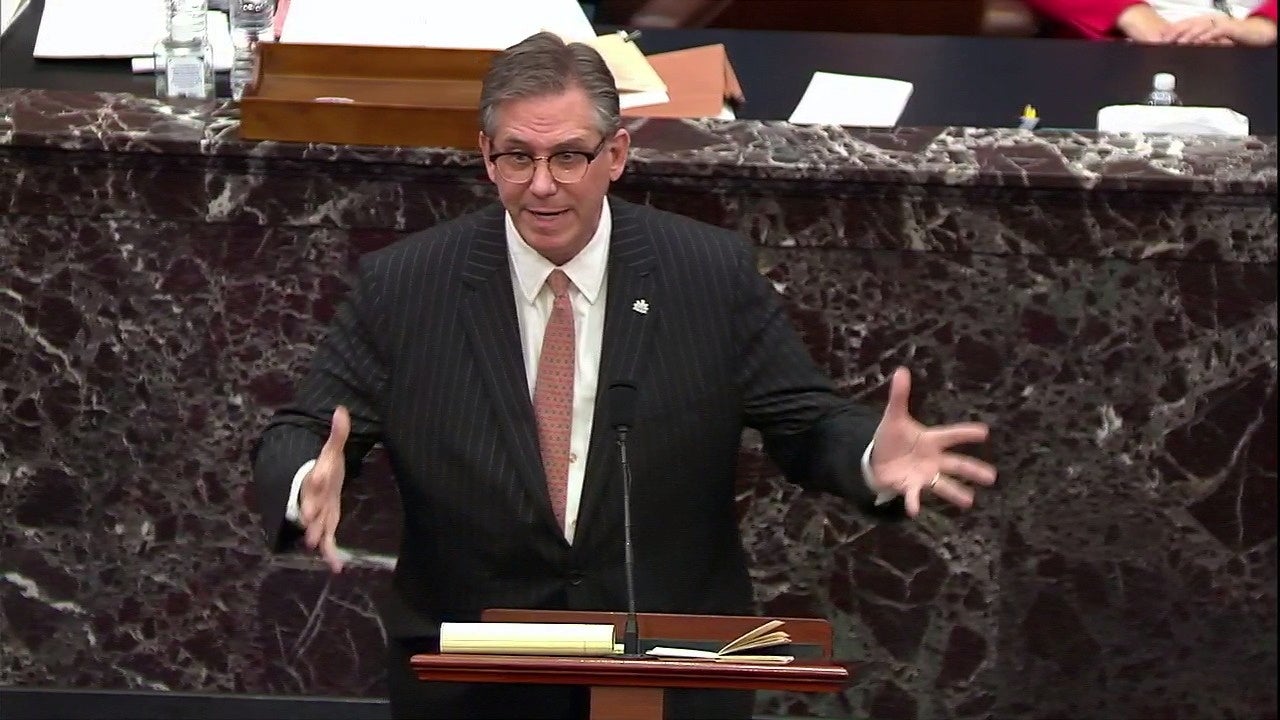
x,y
869,477
293,509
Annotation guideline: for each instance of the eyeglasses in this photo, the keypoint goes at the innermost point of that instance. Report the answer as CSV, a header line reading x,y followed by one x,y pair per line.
x,y
566,167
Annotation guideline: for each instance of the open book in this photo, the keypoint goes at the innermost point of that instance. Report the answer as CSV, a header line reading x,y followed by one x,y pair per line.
x,y
766,636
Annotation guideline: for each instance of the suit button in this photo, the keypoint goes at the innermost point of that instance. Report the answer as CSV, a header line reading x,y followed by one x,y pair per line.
x,y
575,579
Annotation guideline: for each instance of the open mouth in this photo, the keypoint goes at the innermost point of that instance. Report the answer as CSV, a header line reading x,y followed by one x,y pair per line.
x,y
547,214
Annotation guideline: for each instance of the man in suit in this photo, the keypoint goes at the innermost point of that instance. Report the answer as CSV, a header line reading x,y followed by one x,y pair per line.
x,y
480,353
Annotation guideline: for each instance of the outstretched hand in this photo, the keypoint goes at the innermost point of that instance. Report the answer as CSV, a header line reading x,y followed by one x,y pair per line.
x,y
911,459
320,500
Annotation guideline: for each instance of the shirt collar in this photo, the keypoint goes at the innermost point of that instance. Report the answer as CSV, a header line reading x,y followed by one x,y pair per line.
x,y
586,269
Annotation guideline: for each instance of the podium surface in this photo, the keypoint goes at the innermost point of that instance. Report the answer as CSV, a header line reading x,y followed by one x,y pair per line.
x,y
634,688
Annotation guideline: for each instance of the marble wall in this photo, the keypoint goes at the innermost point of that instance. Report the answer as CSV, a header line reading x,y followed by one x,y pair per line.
x,y
1109,305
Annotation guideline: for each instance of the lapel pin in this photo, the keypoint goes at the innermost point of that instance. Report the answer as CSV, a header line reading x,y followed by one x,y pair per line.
x,y
641,306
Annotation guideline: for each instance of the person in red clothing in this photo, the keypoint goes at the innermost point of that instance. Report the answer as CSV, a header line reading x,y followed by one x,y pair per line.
x,y
1177,22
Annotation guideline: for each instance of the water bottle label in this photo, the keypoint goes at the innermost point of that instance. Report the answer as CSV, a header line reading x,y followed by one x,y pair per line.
x,y
185,77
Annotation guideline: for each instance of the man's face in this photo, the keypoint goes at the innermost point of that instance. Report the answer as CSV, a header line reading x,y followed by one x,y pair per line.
x,y
559,133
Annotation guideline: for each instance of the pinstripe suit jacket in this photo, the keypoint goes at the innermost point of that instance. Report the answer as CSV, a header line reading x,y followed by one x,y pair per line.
x,y
426,355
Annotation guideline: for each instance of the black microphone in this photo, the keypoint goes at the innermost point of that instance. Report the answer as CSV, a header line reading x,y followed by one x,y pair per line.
x,y
622,414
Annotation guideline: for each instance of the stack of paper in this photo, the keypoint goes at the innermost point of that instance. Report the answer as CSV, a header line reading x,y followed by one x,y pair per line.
x,y
471,25
474,25
1173,120
118,29
97,29
578,639
834,99
638,83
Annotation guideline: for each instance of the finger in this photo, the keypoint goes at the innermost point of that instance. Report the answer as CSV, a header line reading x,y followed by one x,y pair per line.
x,y
311,500
969,469
329,547
315,528
945,436
899,394
339,428
1197,35
912,498
953,491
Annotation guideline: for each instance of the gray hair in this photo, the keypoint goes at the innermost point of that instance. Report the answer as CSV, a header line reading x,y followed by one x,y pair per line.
x,y
543,64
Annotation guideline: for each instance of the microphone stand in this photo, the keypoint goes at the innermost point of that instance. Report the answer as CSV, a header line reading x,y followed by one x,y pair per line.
x,y
631,633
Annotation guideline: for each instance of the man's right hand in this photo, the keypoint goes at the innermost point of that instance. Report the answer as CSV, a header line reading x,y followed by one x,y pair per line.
x,y
320,499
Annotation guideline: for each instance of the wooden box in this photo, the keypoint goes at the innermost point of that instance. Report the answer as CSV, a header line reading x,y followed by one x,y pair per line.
x,y
365,95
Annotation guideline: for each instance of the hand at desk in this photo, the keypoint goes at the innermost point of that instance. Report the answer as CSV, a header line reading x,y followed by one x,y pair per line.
x,y
910,458
1140,23
1217,29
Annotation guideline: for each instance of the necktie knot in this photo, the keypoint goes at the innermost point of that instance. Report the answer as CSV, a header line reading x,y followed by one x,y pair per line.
x,y
559,283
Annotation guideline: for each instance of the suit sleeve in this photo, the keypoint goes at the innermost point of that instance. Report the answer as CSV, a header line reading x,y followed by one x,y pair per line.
x,y
1089,19
816,437
348,369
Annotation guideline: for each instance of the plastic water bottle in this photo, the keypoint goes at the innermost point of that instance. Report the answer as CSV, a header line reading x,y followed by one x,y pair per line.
x,y
252,22
183,60
1163,90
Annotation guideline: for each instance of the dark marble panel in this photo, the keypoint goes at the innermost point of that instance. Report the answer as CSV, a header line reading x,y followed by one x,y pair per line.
x,y
236,191
913,603
320,633
131,373
1138,574
989,221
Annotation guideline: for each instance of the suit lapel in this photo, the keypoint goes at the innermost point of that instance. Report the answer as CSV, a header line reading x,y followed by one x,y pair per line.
x,y
489,315
630,315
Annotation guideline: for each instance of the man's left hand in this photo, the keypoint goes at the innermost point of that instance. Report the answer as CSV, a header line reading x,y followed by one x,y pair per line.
x,y
911,459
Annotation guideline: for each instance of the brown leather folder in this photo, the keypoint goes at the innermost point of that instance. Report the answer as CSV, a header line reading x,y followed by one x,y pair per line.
x,y
699,82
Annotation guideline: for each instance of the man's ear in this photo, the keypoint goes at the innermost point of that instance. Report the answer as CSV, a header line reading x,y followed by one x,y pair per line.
x,y
618,152
485,148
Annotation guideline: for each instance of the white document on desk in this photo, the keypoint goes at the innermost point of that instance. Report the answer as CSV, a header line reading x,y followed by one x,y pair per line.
x,y
466,24
835,99
99,28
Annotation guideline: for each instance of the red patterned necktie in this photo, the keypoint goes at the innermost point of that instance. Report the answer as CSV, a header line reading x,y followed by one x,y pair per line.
x,y
553,393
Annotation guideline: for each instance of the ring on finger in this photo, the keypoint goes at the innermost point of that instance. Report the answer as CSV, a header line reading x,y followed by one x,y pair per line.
x,y
934,482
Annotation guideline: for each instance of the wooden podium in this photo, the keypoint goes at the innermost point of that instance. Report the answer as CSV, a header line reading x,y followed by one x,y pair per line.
x,y
628,689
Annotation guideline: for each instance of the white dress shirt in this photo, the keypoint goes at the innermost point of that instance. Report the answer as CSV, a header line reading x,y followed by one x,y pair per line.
x,y
587,291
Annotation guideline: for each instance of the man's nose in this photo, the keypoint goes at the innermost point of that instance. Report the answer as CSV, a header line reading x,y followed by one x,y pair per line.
x,y
542,183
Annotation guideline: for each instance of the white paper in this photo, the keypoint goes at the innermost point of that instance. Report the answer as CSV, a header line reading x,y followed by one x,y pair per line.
x,y
9,10
628,100
835,99
1175,119
219,31
527,638
465,24
683,653
99,28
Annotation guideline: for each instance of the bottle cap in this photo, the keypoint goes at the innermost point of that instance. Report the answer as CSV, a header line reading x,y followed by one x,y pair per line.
x,y
1164,82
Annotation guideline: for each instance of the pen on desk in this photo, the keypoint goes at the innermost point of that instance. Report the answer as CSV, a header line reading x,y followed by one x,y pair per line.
x,y
629,36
